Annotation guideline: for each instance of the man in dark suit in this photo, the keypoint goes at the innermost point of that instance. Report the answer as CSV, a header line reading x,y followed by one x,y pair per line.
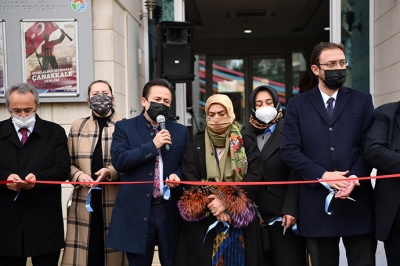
x,y
382,148
142,216
323,137
278,204
31,214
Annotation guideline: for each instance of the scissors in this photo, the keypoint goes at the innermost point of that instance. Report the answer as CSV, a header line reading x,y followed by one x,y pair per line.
x,y
337,191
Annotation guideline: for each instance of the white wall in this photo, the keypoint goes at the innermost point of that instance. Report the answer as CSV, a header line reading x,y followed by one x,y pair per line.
x,y
387,51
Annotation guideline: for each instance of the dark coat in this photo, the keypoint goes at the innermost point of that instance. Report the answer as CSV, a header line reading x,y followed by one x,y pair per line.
x,y
313,144
191,249
33,223
133,154
276,200
382,151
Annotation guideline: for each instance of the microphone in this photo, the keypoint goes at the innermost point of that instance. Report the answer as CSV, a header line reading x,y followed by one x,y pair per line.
x,y
161,121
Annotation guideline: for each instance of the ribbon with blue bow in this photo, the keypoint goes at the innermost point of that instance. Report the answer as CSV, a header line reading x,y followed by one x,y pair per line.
x,y
294,226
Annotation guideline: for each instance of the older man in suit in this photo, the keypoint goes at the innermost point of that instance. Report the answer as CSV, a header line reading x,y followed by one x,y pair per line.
x,y
382,151
142,217
323,137
32,149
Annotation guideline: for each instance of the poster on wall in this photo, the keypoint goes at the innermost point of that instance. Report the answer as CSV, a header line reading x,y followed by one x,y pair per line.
x,y
49,56
3,83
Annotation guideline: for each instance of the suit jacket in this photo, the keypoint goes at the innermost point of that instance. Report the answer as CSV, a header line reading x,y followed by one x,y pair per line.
x,y
191,250
382,151
133,153
275,200
33,223
313,144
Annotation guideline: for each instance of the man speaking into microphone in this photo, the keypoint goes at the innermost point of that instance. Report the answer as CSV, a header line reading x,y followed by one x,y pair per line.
x,y
142,149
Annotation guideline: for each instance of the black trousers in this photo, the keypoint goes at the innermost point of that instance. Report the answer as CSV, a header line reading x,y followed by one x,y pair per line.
x,y
96,231
288,249
159,233
50,259
360,250
392,244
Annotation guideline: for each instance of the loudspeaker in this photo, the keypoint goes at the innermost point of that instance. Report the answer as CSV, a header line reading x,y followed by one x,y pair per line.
x,y
175,57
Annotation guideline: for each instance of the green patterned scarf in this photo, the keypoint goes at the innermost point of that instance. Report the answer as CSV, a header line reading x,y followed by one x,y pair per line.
x,y
232,166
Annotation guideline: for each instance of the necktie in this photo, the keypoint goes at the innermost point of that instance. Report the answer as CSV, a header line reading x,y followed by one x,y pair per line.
x,y
156,189
24,132
329,108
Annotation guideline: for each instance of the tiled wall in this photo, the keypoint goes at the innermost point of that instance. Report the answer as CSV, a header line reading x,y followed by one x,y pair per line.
x,y
387,51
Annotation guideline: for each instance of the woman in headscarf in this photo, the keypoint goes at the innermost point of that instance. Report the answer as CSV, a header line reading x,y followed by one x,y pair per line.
x,y
89,143
278,204
221,226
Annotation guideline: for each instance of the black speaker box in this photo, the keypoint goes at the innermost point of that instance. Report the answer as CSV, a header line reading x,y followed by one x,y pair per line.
x,y
175,57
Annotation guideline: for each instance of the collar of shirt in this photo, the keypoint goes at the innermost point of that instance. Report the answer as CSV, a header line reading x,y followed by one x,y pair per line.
x,y
325,98
270,129
30,130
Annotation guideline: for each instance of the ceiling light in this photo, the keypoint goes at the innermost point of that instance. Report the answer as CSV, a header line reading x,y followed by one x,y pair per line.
x,y
327,28
248,31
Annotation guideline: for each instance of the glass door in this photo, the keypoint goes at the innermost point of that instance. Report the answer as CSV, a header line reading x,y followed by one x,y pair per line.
x,y
276,72
218,75
238,76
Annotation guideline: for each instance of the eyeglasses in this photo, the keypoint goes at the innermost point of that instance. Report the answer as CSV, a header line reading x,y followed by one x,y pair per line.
x,y
27,111
332,65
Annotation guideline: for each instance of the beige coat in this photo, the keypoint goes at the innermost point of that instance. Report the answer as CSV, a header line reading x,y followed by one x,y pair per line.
x,y
81,143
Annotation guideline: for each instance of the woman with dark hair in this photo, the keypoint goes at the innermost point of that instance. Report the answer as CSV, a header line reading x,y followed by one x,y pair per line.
x,y
89,143
221,226
278,204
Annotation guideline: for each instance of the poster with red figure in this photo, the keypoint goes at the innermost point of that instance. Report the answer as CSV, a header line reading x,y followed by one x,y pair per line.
x,y
50,56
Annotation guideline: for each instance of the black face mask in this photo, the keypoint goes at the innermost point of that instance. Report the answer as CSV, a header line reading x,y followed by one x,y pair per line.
x,y
157,109
101,104
335,79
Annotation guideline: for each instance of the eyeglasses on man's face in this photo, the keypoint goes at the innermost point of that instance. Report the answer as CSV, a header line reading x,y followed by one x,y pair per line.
x,y
333,64
17,111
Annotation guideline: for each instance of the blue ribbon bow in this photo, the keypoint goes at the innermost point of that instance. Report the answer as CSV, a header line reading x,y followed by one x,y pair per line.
x,y
294,226
88,207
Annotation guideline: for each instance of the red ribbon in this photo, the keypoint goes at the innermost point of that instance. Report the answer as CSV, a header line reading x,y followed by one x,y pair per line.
x,y
199,183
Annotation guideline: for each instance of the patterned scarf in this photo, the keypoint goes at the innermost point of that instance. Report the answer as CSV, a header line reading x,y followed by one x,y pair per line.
x,y
232,166
257,124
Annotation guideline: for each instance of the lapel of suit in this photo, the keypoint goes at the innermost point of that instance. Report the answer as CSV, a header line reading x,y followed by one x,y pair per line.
x,y
341,101
316,100
8,131
273,142
398,117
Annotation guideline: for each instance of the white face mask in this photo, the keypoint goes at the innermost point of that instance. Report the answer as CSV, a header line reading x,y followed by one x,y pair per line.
x,y
24,122
266,114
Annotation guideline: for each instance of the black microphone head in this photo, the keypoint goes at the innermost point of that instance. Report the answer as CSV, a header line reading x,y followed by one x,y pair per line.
x,y
160,119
